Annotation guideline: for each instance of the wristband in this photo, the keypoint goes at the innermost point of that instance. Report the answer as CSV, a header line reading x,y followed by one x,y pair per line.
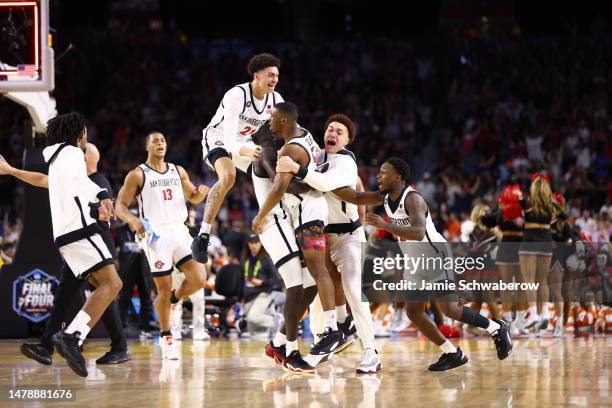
x,y
302,172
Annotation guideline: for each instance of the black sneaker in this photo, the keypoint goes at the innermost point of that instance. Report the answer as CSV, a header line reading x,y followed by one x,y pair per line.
x,y
67,345
328,341
294,362
114,357
449,360
199,248
37,352
503,342
348,327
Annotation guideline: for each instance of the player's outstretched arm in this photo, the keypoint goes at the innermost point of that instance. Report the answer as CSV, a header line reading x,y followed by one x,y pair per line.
x,y
30,177
192,193
359,197
339,176
132,184
416,207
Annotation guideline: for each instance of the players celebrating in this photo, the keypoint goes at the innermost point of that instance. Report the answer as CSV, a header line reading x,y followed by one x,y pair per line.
x,y
161,189
308,212
336,169
226,141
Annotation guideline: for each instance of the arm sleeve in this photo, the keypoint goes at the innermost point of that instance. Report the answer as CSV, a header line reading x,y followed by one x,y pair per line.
x,y
73,166
343,174
233,104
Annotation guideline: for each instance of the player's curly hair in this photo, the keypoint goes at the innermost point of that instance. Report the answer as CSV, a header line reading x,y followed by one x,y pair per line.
x,y
67,128
346,121
402,168
262,61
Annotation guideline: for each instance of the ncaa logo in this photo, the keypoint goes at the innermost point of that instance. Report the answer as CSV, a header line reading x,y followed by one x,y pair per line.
x,y
218,143
159,264
248,104
33,295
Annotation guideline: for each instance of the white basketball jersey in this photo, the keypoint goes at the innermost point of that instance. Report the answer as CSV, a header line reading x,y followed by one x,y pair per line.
x,y
262,187
401,217
254,113
308,143
161,200
340,212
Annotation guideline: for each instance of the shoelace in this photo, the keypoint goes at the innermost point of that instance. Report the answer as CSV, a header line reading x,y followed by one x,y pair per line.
x,y
324,334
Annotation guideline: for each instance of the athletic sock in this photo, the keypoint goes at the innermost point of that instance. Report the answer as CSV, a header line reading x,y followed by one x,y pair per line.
x,y
79,324
205,228
471,317
447,347
492,327
341,313
279,339
330,319
291,346
173,298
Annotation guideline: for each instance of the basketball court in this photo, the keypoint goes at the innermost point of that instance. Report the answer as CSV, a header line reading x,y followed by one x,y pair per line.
x,y
540,372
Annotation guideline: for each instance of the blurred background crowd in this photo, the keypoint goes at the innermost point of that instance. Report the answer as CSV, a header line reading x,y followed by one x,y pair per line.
x,y
470,109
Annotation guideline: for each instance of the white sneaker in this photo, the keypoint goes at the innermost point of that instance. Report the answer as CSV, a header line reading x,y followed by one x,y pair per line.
x,y
514,331
201,334
396,318
370,362
168,348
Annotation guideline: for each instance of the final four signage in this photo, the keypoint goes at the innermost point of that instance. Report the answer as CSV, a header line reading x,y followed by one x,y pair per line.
x,y
33,295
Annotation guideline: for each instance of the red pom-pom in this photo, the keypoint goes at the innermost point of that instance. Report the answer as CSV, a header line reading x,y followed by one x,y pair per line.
x,y
510,202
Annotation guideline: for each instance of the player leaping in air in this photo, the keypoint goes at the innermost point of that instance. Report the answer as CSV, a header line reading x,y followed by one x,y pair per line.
x,y
226,141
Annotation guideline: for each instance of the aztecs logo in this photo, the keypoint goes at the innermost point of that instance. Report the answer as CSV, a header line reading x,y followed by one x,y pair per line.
x,y
33,295
159,264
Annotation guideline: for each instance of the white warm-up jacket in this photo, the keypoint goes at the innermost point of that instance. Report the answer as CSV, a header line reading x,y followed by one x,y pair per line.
x,y
70,192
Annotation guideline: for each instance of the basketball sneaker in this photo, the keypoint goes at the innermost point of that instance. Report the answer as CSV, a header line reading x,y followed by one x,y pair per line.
x,y
449,360
37,352
67,345
348,327
328,342
370,362
276,354
294,362
531,321
168,348
199,248
501,337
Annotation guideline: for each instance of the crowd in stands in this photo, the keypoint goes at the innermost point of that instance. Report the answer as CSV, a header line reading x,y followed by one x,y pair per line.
x,y
470,114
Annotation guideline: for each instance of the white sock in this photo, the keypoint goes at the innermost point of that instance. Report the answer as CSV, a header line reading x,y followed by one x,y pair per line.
x,y
520,315
279,339
544,314
560,319
291,346
448,348
341,313
493,327
79,324
205,228
330,319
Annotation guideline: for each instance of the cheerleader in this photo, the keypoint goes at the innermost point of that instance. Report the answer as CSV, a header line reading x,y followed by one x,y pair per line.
x,y
561,234
508,217
536,247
